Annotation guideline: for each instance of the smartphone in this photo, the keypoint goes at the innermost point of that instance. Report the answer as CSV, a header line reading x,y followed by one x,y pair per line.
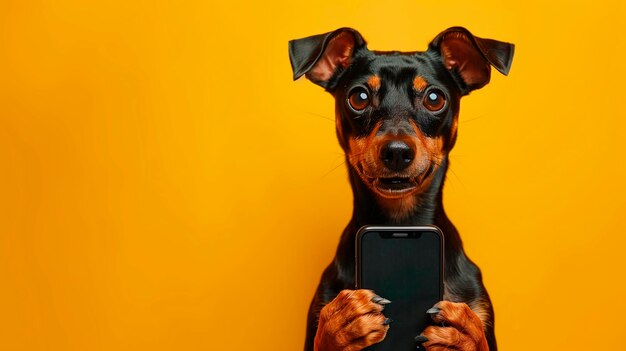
x,y
405,266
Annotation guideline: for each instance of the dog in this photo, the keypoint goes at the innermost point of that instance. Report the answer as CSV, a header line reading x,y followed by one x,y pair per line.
x,y
396,120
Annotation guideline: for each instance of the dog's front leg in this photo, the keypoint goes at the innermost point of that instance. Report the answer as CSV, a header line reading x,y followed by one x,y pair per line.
x,y
459,328
351,322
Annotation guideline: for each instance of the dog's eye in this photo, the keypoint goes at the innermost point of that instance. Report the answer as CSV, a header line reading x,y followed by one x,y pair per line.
x,y
434,100
359,99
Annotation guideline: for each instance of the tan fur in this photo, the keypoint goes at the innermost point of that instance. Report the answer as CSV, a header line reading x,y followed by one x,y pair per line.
x,y
350,322
458,328
479,307
398,209
455,124
374,83
363,150
419,84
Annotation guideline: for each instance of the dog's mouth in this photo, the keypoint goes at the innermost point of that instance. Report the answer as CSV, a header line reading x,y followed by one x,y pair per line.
x,y
397,186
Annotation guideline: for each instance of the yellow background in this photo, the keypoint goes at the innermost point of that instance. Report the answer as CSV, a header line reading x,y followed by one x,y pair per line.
x,y
164,185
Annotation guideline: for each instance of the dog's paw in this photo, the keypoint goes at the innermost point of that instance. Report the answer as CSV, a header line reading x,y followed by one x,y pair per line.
x,y
352,321
459,328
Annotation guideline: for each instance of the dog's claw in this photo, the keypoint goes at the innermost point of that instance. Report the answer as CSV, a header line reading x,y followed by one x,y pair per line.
x,y
387,321
421,338
434,310
380,300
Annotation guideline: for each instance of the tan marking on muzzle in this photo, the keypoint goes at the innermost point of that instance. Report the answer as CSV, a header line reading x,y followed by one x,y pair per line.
x,y
361,150
432,146
398,209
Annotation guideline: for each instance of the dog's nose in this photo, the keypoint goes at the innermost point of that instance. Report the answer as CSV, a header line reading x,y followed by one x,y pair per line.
x,y
397,155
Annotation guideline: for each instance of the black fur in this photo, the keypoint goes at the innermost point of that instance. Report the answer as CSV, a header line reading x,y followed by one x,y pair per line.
x,y
397,104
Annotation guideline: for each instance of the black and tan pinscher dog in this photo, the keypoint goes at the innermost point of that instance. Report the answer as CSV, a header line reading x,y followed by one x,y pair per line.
x,y
396,120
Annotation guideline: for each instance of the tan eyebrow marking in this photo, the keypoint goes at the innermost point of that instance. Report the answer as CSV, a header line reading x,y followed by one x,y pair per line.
x,y
374,82
419,84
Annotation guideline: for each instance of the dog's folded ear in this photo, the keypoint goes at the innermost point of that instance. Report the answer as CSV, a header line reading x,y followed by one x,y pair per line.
x,y
323,57
469,58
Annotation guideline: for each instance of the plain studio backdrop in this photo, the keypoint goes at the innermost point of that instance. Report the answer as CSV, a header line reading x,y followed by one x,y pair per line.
x,y
165,185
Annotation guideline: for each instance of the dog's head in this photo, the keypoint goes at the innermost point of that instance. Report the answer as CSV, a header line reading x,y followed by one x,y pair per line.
x,y
397,112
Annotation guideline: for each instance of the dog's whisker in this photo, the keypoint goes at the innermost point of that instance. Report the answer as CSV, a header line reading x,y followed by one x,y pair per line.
x,y
471,119
456,176
457,159
320,116
333,169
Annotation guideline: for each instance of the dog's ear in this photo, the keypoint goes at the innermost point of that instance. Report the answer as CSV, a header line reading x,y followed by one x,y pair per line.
x,y
470,58
323,57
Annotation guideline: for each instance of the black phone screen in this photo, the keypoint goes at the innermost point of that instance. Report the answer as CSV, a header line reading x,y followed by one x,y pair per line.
x,y
406,267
